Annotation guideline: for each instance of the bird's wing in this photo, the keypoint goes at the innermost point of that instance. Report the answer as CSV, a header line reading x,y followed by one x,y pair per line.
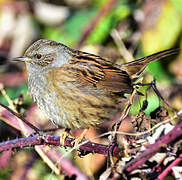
x,y
94,71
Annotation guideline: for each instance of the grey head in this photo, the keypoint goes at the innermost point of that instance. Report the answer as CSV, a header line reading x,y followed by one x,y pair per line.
x,y
45,54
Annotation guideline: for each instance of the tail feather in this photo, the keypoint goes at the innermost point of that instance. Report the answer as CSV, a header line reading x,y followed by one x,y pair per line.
x,y
136,67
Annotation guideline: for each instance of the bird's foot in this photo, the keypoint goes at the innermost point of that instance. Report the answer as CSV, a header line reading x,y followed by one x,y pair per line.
x,y
63,137
79,139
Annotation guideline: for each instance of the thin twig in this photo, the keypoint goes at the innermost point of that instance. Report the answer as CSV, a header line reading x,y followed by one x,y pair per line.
x,y
121,47
10,102
103,11
155,89
21,117
51,157
168,169
154,148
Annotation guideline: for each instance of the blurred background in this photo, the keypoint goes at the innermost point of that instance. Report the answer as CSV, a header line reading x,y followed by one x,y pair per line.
x,y
118,30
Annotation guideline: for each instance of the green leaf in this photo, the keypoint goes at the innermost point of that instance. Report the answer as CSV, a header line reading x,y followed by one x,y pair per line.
x,y
109,22
70,32
4,173
153,103
162,36
13,93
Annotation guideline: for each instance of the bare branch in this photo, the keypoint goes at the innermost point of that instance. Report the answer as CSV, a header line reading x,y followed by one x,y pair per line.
x,y
154,148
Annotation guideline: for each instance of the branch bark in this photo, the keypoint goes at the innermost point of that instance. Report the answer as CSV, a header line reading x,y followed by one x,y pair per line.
x,y
50,155
154,148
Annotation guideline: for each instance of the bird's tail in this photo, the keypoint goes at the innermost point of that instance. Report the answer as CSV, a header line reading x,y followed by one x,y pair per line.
x,y
136,67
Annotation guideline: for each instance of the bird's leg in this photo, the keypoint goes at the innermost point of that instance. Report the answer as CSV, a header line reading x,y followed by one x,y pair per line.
x,y
80,138
64,135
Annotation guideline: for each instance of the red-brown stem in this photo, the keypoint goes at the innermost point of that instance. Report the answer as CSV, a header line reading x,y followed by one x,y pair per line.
x,y
65,165
89,147
104,10
168,169
20,143
154,148
20,117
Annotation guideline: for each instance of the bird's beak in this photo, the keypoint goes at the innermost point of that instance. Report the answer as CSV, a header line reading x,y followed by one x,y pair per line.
x,y
22,58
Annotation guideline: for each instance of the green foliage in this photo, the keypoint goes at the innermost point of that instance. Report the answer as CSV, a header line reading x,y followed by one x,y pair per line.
x,y
177,4
4,173
70,32
99,3
152,98
43,171
162,36
51,176
109,22
14,92
165,33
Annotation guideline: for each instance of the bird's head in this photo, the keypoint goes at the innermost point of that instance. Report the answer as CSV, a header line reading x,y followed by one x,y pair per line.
x,y
45,54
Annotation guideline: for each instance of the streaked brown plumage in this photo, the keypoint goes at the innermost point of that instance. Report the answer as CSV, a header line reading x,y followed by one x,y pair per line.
x,y
76,89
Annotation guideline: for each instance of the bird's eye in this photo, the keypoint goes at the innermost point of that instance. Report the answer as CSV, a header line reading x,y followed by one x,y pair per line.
x,y
38,56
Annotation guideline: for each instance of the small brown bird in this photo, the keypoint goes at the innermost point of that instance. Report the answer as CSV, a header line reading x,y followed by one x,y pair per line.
x,y
75,89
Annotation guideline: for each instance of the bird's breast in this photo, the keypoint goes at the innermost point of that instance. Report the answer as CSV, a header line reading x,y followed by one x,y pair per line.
x,y
44,97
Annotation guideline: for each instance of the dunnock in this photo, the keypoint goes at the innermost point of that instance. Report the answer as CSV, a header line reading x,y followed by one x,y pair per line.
x,y
76,89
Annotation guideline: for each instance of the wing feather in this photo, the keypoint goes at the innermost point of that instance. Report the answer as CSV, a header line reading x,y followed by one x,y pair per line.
x,y
95,71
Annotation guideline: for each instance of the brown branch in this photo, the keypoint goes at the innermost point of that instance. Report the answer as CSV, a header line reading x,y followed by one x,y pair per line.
x,y
88,147
104,10
168,169
154,148
51,157
20,117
